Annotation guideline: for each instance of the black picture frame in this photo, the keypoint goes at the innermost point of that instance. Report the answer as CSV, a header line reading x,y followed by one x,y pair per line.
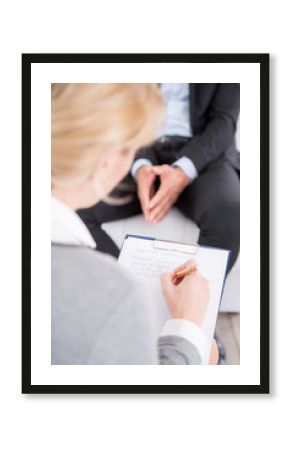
x,y
263,61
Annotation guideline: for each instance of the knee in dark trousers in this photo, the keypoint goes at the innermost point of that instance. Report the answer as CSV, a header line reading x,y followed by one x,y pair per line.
x,y
220,226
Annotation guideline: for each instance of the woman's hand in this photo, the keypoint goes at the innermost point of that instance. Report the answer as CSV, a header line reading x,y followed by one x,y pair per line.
x,y
214,354
188,299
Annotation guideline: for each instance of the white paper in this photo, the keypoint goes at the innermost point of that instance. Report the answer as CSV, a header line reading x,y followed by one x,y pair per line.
x,y
146,260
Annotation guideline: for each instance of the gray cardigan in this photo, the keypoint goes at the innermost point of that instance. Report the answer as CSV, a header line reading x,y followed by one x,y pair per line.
x,y
99,316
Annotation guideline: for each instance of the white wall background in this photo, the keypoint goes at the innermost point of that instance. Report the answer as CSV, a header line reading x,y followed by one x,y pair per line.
x,y
107,422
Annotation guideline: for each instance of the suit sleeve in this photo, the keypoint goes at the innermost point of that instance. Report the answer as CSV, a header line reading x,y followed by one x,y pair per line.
x,y
175,350
218,134
181,342
146,153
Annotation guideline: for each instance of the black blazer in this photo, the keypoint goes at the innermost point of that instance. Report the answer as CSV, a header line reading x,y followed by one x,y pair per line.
x,y
214,110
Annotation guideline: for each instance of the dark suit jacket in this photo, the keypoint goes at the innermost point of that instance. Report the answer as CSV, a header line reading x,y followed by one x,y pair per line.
x,y
214,110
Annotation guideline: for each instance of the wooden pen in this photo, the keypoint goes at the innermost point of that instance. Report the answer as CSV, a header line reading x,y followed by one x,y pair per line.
x,y
185,272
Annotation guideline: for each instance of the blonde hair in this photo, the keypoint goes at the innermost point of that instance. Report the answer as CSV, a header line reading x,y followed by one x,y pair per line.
x,y
90,120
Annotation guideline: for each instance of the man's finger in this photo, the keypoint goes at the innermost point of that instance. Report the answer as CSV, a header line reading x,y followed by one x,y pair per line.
x,y
144,207
166,199
160,205
142,200
159,196
159,170
162,213
144,194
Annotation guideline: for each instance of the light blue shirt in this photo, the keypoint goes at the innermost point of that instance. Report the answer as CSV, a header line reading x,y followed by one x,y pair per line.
x,y
177,123
177,119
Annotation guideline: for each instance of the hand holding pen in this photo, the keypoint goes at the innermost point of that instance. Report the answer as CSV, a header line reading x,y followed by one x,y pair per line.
x,y
189,268
186,292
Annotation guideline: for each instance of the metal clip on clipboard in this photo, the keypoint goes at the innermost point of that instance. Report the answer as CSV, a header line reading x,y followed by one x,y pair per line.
x,y
175,246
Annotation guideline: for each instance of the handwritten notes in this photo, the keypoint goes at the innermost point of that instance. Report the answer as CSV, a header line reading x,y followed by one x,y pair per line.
x,y
150,263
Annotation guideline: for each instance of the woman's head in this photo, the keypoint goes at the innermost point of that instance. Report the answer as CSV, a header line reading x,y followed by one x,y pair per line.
x,y
96,129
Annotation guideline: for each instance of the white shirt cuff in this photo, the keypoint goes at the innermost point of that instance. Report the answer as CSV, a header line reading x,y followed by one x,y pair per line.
x,y
139,163
187,166
189,331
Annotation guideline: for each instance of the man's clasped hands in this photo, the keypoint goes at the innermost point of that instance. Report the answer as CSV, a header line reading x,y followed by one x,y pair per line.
x,y
155,205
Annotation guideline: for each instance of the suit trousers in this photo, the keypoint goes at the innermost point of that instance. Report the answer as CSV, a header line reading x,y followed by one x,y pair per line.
x,y
212,201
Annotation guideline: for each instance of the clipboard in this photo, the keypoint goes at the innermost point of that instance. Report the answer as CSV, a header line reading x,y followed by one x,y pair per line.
x,y
147,257
168,245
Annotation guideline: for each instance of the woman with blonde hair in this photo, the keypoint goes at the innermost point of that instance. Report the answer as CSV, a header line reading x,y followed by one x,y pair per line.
x,y
99,314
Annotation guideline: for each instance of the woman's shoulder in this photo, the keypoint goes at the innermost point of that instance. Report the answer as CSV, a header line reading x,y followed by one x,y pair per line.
x,y
95,278
88,263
